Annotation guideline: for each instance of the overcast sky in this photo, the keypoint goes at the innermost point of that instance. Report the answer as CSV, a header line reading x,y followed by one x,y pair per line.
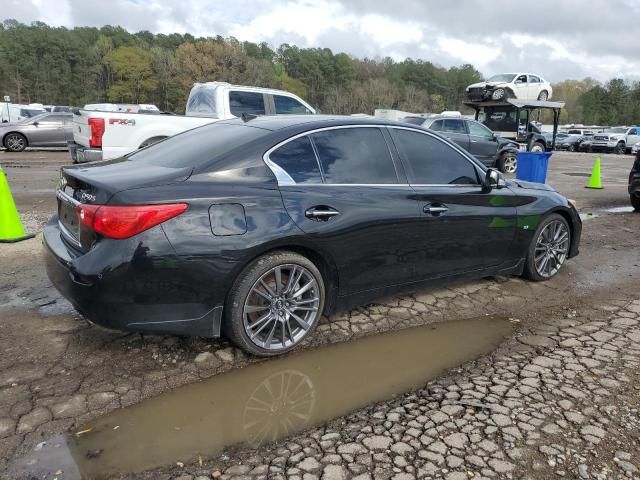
x,y
557,39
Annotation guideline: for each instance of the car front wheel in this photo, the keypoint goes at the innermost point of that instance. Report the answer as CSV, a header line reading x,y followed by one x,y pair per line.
x,y
537,147
549,248
507,163
15,142
275,304
620,149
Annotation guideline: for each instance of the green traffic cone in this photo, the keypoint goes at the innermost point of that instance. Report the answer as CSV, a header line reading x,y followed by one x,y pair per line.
x,y
10,227
595,181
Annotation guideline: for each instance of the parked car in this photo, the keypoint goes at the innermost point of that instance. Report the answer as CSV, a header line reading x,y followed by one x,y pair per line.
x,y
571,142
524,86
635,148
44,130
102,135
475,138
617,140
634,184
256,227
581,131
585,145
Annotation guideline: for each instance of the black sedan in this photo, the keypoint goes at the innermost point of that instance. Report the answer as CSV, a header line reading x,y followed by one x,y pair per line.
x,y
634,183
256,227
570,143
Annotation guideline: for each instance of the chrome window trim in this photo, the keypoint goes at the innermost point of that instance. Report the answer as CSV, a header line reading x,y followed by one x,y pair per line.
x,y
65,197
284,179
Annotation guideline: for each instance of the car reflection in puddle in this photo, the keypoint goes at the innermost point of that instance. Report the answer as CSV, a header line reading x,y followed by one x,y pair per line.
x,y
263,402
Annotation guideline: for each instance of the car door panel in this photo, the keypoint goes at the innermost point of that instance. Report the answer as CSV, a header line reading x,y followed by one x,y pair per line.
x,y
521,87
482,143
463,228
455,130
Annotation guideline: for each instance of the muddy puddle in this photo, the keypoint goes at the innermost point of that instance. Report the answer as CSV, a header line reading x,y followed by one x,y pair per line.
x,y
263,402
605,211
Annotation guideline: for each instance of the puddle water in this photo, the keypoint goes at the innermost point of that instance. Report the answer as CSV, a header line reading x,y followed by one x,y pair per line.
x,y
597,213
265,401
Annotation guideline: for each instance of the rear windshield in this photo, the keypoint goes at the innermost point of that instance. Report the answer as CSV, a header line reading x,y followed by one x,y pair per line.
x,y
202,101
199,146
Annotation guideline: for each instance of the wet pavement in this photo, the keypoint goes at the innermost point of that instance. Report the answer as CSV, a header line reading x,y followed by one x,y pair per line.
x,y
557,398
264,402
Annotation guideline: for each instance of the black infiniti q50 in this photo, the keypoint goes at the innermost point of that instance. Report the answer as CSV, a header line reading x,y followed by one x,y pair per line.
x,y
254,228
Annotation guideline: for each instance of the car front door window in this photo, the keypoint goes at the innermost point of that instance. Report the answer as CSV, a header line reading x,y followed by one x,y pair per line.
x,y
251,103
287,105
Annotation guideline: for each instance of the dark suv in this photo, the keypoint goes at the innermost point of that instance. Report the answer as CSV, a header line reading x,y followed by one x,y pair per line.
x,y
474,137
634,183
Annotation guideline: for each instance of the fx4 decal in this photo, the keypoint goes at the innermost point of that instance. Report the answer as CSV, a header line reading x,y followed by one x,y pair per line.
x,y
122,121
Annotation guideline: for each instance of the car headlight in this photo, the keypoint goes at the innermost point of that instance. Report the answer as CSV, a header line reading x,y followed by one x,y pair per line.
x,y
573,203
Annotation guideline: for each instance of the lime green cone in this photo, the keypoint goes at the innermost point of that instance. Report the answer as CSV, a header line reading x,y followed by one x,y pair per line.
x,y
595,181
10,227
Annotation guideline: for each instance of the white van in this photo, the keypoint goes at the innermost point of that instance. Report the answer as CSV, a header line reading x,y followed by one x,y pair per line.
x,y
14,112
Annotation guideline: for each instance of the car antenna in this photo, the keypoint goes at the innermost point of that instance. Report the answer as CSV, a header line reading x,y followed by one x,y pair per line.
x,y
247,116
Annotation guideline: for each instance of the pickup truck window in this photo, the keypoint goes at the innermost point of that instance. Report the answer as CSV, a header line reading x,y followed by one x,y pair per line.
x,y
198,146
246,102
202,100
288,105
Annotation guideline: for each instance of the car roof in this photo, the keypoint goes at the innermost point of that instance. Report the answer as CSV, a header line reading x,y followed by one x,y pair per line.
x,y
310,122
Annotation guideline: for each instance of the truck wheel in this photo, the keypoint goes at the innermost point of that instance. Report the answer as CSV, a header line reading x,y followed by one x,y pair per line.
x,y
15,142
620,149
507,163
543,96
538,147
635,202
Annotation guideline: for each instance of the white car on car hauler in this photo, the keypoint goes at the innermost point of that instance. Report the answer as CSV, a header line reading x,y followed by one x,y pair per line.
x,y
523,86
103,135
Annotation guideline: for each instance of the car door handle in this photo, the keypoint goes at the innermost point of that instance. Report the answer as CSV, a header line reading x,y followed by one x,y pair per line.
x,y
435,210
321,213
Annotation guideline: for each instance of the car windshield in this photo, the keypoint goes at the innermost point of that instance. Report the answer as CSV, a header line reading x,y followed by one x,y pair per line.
x,y
502,77
616,130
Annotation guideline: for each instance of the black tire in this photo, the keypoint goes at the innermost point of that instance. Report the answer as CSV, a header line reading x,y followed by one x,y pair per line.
x,y
15,142
233,325
530,271
635,202
543,96
572,148
538,147
620,149
507,163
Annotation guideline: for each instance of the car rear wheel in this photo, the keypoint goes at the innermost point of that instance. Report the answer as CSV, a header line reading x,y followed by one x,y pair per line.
x,y
572,148
635,202
15,142
549,248
508,163
275,304
543,96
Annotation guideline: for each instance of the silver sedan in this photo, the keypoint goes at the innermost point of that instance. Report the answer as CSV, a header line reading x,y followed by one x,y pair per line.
x,y
46,130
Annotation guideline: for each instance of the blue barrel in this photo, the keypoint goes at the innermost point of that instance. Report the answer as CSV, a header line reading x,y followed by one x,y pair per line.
x,y
532,166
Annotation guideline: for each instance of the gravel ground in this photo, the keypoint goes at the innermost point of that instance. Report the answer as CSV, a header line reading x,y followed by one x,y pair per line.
x,y
557,399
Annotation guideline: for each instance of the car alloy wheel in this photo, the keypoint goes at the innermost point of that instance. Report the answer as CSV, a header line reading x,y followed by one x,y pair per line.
x,y
509,163
281,307
552,248
498,94
15,142
537,147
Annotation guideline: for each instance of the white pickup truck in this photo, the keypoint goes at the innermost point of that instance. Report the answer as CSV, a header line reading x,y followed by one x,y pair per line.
x,y
103,135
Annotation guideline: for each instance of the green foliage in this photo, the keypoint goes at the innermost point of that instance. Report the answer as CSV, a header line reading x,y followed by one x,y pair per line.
x,y
56,65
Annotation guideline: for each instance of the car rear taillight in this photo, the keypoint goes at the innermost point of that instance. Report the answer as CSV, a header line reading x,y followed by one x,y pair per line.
x,y
97,130
123,221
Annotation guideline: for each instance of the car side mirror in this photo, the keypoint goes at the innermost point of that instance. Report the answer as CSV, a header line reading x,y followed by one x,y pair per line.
x,y
36,123
493,179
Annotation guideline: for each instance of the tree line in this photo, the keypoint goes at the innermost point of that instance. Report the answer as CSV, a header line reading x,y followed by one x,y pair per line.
x,y
61,66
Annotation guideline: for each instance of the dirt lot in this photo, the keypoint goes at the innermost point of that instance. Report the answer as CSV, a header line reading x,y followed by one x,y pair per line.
x,y
557,398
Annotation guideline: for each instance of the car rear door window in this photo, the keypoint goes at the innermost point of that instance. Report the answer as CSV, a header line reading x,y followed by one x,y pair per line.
x,y
355,156
437,126
251,103
298,160
288,105
430,161
454,126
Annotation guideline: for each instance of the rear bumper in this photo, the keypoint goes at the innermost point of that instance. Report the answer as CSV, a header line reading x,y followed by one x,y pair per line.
x,y
135,296
81,154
